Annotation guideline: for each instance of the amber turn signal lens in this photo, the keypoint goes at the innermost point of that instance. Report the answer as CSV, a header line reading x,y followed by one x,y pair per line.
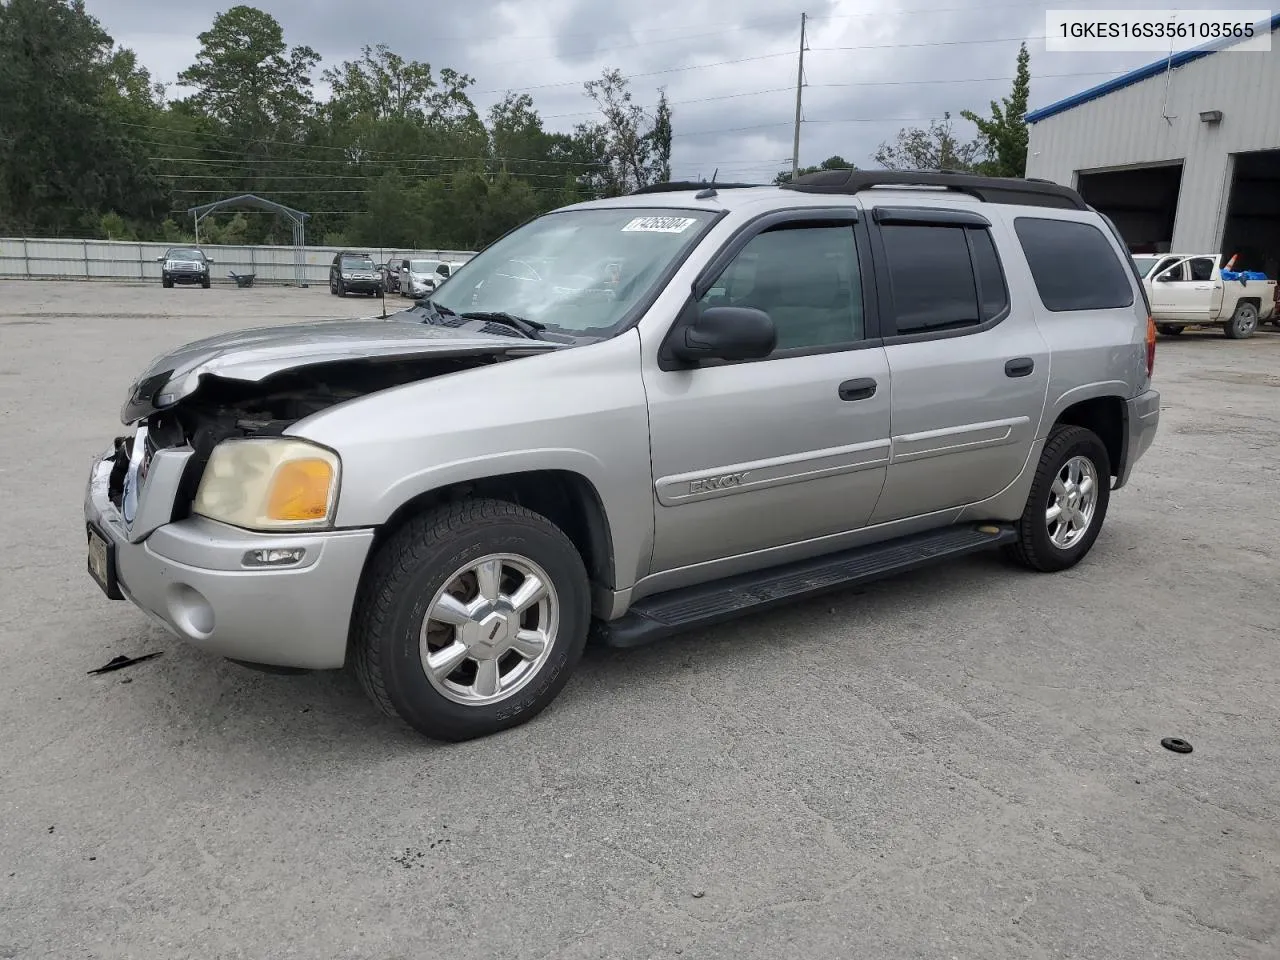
x,y
1151,346
300,490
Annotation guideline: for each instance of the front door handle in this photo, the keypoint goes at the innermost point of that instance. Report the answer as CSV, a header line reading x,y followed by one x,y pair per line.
x,y
858,389
1020,367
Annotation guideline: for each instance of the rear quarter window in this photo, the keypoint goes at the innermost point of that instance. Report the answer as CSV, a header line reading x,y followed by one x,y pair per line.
x,y
1073,265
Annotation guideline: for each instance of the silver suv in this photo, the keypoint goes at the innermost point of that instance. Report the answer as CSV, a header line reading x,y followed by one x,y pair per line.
x,y
631,417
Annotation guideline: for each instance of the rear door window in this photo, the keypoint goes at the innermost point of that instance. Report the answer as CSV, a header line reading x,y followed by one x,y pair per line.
x,y
942,277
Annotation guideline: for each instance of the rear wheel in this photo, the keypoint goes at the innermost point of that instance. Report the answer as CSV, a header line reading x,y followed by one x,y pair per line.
x,y
471,619
1243,323
1068,501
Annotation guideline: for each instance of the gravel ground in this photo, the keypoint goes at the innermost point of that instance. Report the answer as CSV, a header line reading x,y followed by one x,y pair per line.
x,y
961,763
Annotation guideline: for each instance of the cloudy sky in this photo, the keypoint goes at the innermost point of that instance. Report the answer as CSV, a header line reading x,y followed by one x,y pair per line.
x,y
871,68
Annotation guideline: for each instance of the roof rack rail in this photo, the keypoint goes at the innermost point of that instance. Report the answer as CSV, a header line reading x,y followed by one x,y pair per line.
x,y
674,185
1016,190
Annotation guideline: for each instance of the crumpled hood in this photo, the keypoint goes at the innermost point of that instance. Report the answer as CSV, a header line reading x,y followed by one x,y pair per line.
x,y
253,355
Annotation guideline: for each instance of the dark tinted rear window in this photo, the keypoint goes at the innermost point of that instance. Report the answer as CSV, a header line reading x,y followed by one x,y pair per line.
x,y
1073,265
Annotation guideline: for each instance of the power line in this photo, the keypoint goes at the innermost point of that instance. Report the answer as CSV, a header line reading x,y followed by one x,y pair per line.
x,y
930,43
905,83
787,123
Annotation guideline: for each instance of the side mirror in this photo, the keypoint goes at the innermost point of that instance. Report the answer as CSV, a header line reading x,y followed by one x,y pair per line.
x,y
1166,277
726,333
210,260
159,259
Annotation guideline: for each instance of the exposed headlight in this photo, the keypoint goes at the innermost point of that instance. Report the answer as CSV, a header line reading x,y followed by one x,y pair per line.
x,y
278,483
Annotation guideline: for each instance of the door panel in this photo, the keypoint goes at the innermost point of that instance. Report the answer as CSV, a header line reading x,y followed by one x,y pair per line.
x,y
962,427
1163,299
1194,294
969,367
755,455
749,456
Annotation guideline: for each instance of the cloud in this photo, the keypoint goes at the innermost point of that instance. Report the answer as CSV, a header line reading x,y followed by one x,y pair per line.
x,y
872,67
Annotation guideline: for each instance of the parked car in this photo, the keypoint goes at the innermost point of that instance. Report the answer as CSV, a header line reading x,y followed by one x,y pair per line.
x,y
185,265
1189,290
421,277
354,272
396,267
449,501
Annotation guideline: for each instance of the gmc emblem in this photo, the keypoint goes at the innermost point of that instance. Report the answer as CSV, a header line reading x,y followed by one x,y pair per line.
x,y
717,483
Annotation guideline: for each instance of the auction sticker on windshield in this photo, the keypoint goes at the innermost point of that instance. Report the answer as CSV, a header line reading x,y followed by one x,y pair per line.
x,y
659,225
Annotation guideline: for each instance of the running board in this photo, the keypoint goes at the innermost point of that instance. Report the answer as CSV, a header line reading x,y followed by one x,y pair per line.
x,y
710,603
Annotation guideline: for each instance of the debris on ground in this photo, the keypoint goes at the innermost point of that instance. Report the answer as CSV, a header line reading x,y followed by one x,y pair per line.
x,y
119,663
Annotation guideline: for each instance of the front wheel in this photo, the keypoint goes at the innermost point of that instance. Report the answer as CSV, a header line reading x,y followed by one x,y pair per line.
x,y
1068,501
1243,323
471,619
1170,329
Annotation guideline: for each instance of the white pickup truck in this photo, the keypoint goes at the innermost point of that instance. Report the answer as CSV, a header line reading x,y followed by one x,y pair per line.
x,y
1187,289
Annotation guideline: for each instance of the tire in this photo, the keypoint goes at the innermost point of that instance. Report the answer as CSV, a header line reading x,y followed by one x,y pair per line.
x,y
1035,548
333,287
167,283
1243,323
342,288
414,567
205,283
1170,329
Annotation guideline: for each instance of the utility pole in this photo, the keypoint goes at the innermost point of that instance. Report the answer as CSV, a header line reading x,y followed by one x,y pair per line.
x,y
795,145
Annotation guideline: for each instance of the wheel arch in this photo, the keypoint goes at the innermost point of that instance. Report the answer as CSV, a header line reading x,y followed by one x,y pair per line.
x,y
1106,415
565,497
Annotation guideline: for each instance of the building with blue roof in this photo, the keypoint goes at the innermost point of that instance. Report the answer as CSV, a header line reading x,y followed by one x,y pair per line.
x,y
1183,154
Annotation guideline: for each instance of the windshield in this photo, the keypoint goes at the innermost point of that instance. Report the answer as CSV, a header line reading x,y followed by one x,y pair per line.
x,y
423,266
1144,264
576,271
184,253
357,263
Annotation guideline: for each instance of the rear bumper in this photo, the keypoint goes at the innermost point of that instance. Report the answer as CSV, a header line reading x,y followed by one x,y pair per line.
x,y
1142,419
192,579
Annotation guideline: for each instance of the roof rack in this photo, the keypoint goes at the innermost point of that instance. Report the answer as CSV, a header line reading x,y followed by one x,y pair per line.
x,y
673,185
1016,190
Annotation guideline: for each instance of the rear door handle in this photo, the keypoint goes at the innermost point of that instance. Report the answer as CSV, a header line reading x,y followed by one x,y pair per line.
x,y
858,389
1020,367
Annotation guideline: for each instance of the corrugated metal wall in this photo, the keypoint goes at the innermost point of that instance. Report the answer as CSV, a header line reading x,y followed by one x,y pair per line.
x,y
1127,127
119,260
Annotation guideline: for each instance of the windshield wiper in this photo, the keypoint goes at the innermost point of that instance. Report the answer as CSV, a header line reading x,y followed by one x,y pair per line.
x,y
530,328
436,312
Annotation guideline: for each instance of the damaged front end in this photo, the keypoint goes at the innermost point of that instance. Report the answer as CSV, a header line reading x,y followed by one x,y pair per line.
x,y
182,410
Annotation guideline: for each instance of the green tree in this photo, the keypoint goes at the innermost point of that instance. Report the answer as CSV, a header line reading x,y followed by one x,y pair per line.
x,y
245,76
935,148
632,147
836,162
1003,135
67,98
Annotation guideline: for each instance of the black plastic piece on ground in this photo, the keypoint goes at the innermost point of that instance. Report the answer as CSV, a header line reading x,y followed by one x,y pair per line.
x,y
707,604
1176,744
119,663
1015,190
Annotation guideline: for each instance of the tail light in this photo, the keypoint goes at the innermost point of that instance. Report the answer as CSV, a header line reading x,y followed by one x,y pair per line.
x,y
1151,345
